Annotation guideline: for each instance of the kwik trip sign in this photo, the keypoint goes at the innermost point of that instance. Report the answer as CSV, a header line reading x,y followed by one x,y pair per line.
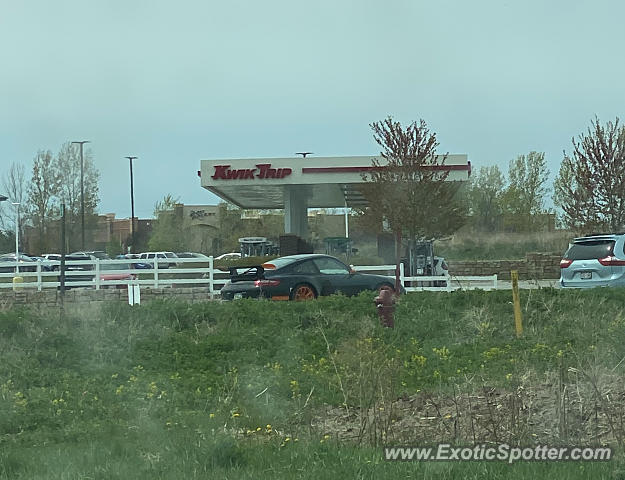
x,y
262,171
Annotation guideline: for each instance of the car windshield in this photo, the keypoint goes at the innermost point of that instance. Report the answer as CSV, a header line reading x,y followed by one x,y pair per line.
x,y
590,250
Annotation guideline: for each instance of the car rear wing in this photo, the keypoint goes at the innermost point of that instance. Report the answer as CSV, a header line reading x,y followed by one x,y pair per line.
x,y
252,272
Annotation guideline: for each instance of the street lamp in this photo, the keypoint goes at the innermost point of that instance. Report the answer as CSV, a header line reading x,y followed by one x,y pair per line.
x,y
132,204
17,231
82,194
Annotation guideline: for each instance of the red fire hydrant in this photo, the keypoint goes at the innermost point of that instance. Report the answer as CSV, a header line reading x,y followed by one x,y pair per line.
x,y
385,303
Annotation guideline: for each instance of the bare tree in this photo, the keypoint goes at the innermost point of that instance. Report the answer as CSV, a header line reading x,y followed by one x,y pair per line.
x,y
590,187
484,195
14,186
524,197
68,170
44,186
408,188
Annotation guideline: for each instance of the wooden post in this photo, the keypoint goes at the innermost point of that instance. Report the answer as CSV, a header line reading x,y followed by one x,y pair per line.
x,y
397,261
518,320
211,276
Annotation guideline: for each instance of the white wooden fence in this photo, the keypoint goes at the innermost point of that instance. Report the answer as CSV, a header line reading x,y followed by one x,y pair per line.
x,y
88,274
437,283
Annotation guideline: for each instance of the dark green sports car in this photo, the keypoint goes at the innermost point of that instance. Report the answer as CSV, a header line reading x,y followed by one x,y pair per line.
x,y
299,277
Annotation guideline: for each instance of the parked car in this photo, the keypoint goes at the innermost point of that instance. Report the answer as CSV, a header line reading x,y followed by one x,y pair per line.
x,y
47,258
594,261
300,277
94,254
71,267
136,265
229,256
199,256
115,272
26,263
160,256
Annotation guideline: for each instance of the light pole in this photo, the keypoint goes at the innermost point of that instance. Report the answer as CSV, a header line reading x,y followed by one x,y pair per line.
x,y
17,236
82,194
132,205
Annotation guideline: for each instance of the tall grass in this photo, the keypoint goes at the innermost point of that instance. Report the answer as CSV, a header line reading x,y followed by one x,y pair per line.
x,y
254,389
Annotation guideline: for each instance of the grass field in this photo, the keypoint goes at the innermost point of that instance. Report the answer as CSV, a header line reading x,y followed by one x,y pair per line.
x,y
255,390
502,246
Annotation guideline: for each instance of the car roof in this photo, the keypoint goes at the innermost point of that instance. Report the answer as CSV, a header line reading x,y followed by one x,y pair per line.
x,y
598,236
289,259
302,256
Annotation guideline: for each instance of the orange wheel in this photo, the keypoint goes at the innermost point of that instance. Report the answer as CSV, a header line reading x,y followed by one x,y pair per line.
x,y
303,292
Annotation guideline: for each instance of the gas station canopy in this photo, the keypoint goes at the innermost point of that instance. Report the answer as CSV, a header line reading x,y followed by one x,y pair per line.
x,y
296,184
325,182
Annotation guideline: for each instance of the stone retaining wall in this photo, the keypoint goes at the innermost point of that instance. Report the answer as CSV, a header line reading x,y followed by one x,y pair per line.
x,y
51,298
534,266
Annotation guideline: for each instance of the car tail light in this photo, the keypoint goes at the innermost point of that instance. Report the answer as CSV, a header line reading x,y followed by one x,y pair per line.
x,y
611,262
565,262
266,283
268,266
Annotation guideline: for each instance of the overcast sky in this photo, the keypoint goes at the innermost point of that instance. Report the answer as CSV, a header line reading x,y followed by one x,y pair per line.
x,y
174,82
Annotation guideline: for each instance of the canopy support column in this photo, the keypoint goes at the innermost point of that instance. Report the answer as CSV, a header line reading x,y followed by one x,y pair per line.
x,y
296,210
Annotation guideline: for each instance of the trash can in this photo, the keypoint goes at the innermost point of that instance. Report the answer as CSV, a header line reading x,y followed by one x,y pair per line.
x,y
17,282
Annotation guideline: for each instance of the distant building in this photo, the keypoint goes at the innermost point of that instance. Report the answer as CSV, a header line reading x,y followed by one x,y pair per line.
x,y
110,229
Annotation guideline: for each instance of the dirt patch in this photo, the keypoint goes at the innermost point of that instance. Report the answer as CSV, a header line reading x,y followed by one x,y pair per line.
x,y
583,410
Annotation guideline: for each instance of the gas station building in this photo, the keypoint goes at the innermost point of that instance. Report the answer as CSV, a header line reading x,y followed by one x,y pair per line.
x,y
297,184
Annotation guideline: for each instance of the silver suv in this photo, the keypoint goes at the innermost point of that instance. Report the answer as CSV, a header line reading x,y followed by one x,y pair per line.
x,y
594,261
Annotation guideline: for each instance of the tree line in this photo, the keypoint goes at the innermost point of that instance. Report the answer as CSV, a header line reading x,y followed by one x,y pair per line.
x,y
415,200
54,178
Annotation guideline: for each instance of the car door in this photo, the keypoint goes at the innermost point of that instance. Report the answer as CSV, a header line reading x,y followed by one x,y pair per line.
x,y
338,276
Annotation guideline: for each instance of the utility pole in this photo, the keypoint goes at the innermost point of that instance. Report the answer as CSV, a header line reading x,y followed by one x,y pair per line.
x,y
82,195
17,236
132,205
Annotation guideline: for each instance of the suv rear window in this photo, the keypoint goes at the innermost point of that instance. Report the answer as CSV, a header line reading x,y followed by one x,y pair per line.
x,y
590,250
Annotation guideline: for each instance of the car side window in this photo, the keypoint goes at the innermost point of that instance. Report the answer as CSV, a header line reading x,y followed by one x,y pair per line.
x,y
305,267
330,266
